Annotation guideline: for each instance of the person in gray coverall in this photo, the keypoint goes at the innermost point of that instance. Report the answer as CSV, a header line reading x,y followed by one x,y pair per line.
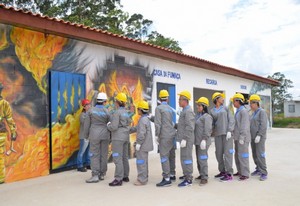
x,y
144,143
95,129
203,130
242,137
185,135
165,136
258,129
119,127
223,126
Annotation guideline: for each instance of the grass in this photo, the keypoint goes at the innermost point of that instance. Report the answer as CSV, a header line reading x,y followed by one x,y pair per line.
x,y
289,122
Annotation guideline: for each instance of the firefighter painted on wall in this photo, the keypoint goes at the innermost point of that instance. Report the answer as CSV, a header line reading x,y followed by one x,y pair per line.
x,y
6,120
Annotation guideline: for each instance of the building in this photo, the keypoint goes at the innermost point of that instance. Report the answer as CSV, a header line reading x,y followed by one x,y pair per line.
x,y
48,65
292,108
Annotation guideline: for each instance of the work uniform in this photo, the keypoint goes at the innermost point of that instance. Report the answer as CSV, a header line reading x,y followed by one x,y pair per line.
x,y
223,122
203,130
185,131
143,138
258,127
95,129
5,117
242,132
83,153
119,127
165,131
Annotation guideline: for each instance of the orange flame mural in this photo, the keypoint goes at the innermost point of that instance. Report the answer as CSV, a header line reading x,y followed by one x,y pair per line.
x,y
36,52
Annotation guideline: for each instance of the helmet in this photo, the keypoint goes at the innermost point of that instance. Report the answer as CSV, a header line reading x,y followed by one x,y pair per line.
x,y
238,96
85,102
121,97
186,94
143,105
163,93
203,100
101,96
217,94
254,98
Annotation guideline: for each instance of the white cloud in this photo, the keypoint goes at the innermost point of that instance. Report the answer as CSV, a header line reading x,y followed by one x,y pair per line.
x,y
258,36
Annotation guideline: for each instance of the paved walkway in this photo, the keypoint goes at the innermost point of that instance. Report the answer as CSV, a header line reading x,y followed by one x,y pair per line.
x,y
69,188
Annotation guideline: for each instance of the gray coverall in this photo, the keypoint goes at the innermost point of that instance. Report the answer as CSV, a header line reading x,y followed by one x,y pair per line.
x,y
203,130
165,131
242,132
223,122
258,127
95,129
119,127
144,138
185,130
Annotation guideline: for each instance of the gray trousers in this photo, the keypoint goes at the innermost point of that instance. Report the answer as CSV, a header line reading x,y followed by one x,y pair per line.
x,y
224,153
99,155
242,158
186,158
167,157
120,158
202,165
258,154
142,166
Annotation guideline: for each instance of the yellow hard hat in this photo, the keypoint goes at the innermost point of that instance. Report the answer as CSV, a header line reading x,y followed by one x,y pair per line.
x,y
217,94
254,98
203,100
121,97
186,94
143,105
163,93
238,96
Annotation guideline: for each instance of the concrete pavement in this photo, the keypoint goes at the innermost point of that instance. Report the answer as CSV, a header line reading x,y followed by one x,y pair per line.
x,y
69,188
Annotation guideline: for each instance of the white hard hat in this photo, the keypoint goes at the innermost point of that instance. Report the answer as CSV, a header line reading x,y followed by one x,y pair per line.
x,y
101,97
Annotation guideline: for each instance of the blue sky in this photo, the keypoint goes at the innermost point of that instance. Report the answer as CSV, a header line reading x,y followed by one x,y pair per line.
x,y
259,36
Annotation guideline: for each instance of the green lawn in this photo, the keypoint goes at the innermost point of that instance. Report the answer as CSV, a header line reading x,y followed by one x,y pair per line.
x,y
290,122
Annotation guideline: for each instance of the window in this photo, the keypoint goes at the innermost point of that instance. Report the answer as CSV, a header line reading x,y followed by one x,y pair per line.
x,y
291,108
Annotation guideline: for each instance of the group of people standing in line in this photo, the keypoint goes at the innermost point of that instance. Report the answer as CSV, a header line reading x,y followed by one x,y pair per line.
x,y
232,135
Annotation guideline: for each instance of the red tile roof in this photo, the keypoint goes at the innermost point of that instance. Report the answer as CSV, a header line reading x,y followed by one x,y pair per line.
x,y
45,24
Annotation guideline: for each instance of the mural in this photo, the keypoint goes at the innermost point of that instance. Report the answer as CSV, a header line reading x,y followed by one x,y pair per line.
x,y
37,114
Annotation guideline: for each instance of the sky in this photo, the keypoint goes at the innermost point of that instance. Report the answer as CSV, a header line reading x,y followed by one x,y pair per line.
x,y
260,36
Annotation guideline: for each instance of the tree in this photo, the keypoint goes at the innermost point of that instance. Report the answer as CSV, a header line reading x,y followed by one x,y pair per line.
x,y
280,93
159,40
101,14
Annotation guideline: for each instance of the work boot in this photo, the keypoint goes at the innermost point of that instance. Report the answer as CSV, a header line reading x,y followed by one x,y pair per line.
x,y
185,183
221,174
237,174
101,177
164,183
198,178
173,177
263,177
93,179
125,179
256,173
243,178
226,178
81,169
115,183
203,182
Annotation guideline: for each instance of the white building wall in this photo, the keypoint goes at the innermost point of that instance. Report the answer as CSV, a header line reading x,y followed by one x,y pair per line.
x,y
287,113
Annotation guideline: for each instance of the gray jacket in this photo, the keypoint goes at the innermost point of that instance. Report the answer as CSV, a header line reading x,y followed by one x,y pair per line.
x,y
223,121
82,118
203,128
242,125
120,125
258,123
95,125
144,134
186,125
163,120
